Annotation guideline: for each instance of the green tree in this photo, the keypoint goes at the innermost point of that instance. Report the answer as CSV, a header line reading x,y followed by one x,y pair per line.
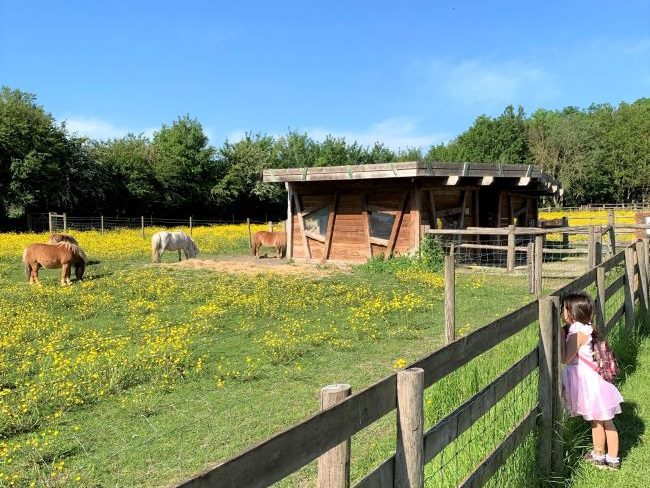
x,y
130,182
41,167
184,164
240,187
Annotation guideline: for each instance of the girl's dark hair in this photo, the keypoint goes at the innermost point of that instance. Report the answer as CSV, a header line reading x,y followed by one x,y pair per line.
x,y
581,308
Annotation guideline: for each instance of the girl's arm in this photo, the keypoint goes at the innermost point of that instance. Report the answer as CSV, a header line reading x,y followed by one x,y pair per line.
x,y
574,342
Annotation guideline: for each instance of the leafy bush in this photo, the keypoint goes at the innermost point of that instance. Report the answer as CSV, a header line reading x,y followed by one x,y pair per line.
x,y
430,258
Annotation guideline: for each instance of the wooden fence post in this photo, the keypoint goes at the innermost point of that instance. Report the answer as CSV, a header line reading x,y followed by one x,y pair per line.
x,y
557,464
289,225
450,298
547,386
65,222
142,225
611,221
591,248
510,257
629,289
530,267
565,236
600,298
250,238
646,246
409,455
334,465
190,225
641,257
539,259
101,223
598,245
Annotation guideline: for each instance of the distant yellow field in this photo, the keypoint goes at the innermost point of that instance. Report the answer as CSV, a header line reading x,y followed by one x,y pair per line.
x,y
589,217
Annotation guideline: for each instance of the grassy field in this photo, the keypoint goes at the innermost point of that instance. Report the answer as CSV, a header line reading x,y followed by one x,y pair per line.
x,y
144,374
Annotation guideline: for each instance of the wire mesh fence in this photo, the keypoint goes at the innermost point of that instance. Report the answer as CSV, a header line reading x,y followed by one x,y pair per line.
x,y
53,222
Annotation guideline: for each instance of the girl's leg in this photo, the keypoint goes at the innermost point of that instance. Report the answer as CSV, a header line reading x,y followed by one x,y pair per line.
x,y
598,436
612,438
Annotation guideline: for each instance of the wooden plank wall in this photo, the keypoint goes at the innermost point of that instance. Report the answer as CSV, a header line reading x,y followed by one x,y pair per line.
x,y
349,237
349,241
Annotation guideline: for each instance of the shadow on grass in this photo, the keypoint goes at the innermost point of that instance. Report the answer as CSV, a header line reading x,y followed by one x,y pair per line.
x,y
631,427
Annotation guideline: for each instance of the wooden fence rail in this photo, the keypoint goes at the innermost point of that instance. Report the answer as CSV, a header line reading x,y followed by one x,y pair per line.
x,y
279,456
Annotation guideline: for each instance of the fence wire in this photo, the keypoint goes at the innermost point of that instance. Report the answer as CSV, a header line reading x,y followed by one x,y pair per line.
x,y
40,222
461,457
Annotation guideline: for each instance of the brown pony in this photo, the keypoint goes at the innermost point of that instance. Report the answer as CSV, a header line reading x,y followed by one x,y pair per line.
x,y
275,239
56,238
63,255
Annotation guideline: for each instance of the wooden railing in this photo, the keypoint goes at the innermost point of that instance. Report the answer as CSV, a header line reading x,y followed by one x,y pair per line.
x,y
279,456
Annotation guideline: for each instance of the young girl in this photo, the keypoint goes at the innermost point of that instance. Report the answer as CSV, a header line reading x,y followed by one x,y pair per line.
x,y
585,392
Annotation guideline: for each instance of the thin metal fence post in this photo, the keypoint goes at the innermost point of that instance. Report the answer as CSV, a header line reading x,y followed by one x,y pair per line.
x,y
65,222
101,222
49,221
190,225
142,225
334,465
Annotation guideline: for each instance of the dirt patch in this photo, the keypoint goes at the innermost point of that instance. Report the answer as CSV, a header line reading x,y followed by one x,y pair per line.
x,y
251,265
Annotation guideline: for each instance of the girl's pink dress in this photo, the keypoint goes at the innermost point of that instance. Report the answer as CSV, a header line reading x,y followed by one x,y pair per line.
x,y
585,392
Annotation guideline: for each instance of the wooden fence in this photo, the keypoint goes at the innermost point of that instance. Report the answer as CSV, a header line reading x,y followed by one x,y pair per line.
x,y
327,434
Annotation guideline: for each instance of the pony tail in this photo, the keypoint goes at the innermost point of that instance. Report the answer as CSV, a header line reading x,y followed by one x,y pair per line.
x,y
155,254
26,266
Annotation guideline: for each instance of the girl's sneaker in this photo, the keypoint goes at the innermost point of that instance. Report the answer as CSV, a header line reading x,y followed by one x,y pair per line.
x,y
613,465
596,460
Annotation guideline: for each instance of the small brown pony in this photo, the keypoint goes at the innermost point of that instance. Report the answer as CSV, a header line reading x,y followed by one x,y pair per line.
x,y
63,255
56,238
275,239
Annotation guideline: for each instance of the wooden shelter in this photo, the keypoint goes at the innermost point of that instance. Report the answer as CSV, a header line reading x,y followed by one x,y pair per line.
x,y
351,213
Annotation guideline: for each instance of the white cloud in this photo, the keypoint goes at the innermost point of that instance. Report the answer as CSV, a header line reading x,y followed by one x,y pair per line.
x,y
628,47
99,129
396,133
490,84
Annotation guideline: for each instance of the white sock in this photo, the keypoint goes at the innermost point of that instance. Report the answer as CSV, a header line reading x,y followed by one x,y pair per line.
x,y
597,457
610,459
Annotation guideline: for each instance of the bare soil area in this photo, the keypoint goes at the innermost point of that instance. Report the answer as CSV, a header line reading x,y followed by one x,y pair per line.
x,y
251,265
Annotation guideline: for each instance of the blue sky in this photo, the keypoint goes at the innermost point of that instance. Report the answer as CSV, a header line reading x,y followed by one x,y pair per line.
x,y
405,73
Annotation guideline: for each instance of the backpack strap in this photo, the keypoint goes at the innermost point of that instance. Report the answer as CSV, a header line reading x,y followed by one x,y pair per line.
x,y
588,363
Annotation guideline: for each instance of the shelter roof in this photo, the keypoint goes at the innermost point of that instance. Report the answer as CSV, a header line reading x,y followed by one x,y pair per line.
x,y
527,178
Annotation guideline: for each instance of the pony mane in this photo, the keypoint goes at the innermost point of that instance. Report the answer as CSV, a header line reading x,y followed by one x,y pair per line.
x,y
74,249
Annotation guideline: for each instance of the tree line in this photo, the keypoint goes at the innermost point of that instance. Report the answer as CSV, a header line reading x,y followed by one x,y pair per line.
x,y
600,154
